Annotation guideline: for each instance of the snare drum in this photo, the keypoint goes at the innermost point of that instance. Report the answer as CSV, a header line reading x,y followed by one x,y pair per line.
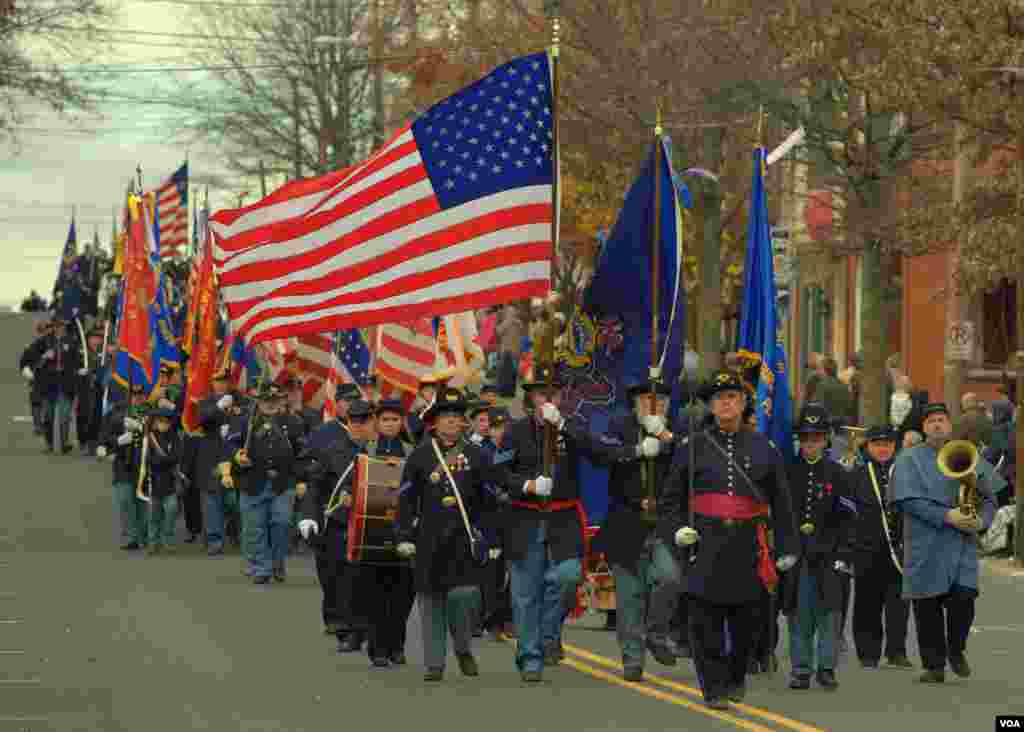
x,y
371,518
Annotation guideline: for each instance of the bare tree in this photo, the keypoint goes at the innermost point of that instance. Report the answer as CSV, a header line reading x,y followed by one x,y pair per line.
x,y
35,40
298,87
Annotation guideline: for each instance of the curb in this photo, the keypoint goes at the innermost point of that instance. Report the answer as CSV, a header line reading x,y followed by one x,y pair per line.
x,y
1003,567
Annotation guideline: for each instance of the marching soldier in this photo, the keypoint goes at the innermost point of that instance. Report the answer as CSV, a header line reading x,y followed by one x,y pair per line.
x,y
30,359
88,418
811,592
648,578
496,608
59,369
122,434
263,463
738,485
163,456
940,531
878,556
327,465
210,449
389,588
441,501
544,520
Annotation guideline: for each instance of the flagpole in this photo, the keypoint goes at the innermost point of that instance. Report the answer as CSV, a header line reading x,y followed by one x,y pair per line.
x,y
655,372
546,350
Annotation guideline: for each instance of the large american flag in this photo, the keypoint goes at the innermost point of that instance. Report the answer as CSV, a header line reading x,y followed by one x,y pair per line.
x,y
172,212
452,214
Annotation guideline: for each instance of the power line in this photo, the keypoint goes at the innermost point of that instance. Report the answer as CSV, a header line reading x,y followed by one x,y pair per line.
x,y
168,69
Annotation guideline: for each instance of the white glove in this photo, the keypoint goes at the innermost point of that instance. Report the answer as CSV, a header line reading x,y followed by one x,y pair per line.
x,y
687,536
550,414
83,371
786,563
125,439
654,424
842,567
101,452
307,527
406,550
27,373
225,401
476,439
542,486
133,425
649,447
494,553
48,355
224,430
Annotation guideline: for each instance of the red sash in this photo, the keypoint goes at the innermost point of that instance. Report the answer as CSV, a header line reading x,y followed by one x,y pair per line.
x,y
742,508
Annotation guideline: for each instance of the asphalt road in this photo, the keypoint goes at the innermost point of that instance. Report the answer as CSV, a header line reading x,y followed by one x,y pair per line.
x,y
92,638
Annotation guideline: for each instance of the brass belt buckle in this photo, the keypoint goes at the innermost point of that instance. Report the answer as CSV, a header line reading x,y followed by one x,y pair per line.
x,y
729,523
807,529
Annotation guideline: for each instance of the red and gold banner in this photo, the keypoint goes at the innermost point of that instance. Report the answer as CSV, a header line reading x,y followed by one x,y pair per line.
x,y
203,360
140,290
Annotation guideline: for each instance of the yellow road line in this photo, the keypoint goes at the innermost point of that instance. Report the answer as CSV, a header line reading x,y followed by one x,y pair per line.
x,y
764,714
663,696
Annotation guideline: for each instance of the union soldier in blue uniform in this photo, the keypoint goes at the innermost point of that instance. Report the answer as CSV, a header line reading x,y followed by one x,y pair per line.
x,y
163,456
647,576
811,591
543,527
432,528
738,488
878,555
388,589
262,466
940,572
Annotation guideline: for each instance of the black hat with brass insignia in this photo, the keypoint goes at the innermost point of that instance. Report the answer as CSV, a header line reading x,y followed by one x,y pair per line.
x,y
723,380
347,391
645,387
270,391
449,401
543,377
813,419
360,409
497,416
881,433
394,406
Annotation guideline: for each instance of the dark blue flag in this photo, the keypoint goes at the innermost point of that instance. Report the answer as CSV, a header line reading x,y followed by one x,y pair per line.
x,y
612,340
760,338
353,356
621,286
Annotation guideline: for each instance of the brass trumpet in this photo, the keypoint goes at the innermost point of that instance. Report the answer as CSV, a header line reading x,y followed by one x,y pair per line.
x,y
958,459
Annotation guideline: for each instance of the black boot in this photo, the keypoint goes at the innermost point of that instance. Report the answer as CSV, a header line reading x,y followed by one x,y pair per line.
x,y
659,649
827,679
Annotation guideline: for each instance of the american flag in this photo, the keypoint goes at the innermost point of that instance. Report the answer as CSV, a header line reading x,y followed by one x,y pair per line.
x,y
172,212
317,356
452,214
405,353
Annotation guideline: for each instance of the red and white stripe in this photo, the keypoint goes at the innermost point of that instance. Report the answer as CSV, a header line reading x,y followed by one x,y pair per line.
x,y
405,353
371,244
173,219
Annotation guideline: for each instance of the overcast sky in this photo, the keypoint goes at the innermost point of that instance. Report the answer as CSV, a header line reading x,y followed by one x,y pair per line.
x,y
89,163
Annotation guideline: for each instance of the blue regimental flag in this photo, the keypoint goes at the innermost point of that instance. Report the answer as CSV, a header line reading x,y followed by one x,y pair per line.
x,y
622,280
353,356
760,334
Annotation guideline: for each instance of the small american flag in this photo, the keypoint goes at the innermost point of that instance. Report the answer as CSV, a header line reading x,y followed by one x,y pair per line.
x,y
452,214
172,212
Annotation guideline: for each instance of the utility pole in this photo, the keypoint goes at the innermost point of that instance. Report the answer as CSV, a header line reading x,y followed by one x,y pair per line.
x,y
1018,543
953,370
378,76
709,341
296,112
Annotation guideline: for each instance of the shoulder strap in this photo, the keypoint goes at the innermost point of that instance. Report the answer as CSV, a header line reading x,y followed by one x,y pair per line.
x,y
885,519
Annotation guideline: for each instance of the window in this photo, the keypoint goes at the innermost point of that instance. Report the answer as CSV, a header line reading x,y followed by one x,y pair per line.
x,y
999,324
